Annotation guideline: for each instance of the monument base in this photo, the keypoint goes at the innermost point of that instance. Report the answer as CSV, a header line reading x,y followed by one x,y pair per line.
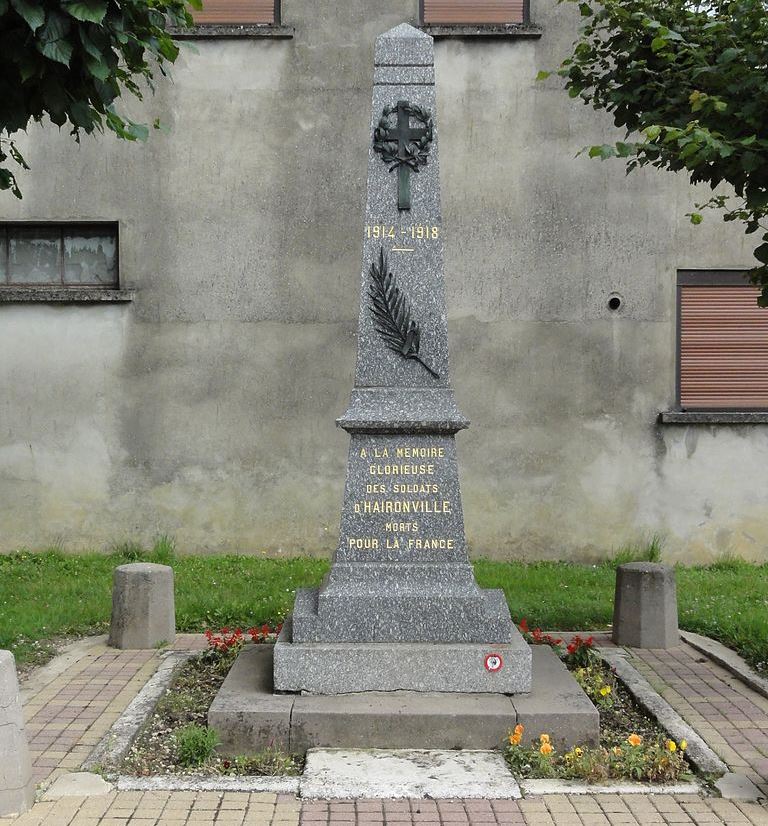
x,y
247,714
350,667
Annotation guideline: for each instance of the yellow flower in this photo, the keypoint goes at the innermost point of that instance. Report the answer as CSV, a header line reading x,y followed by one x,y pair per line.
x,y
672,745
617,751
605,690
544,738
546,748
578,752
519,729
634,739
683,745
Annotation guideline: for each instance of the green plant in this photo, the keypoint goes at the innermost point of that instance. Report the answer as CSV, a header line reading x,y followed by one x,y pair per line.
x,y
195,744
649,551
686,80
164,550
580,653
659,761
69,61
597,685
270,761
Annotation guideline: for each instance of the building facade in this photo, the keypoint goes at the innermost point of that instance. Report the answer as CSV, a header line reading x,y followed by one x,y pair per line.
x,y
178,318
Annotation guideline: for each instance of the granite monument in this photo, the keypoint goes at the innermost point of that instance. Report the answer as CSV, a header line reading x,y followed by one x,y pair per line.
x,y
400,608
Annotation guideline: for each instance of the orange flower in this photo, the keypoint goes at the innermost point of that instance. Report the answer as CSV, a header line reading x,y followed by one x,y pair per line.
x,y
544,738
546,748
514,739
519,729
634,739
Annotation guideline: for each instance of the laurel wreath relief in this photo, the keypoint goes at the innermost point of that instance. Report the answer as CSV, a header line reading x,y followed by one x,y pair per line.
x,y
417,151
392,314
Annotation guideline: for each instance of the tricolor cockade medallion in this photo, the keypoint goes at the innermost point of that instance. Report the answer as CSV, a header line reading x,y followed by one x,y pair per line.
x,y
402,146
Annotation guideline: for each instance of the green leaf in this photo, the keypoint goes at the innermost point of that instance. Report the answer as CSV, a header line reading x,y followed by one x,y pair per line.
x,y
543,75
33,14
97,68
727,55
761,253
88,11
696,218
658,43
652,132
53,43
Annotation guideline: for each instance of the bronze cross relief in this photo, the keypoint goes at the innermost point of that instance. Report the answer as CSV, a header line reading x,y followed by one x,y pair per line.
x,y
403,146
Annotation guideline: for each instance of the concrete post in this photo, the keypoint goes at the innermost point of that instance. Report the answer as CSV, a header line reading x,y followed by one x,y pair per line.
x,y
17,790
143,611
645,606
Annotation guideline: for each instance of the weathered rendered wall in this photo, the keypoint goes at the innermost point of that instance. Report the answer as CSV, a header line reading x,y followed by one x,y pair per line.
x,y
205,408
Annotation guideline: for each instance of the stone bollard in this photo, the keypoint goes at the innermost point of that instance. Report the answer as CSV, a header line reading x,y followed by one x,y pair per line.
x,y
143,612
17,791
645,606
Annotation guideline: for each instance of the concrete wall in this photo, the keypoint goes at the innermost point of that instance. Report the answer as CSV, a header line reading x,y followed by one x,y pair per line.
x,y
205,408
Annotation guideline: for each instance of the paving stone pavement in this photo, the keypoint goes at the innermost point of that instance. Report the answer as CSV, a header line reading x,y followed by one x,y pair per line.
x,y
70,713
730,716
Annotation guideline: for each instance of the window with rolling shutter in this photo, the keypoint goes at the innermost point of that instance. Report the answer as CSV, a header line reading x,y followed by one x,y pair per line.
x,y
235,12
722,342
468,12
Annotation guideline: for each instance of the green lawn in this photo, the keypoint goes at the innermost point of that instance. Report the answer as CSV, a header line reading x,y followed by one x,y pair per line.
x,y
51,594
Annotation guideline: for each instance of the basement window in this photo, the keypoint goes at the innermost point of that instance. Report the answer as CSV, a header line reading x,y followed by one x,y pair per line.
x,y
58,256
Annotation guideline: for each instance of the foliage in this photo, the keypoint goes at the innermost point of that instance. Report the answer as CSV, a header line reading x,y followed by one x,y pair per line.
x,y
269,761
538,637
228,643
596,686
70,61
656,761
195,744
686,79
580,653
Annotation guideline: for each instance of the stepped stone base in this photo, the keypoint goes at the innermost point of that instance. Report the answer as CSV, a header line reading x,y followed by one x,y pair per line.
x,y
349,667
248,715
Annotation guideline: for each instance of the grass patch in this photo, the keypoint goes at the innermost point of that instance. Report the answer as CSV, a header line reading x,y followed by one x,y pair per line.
x,y
49,595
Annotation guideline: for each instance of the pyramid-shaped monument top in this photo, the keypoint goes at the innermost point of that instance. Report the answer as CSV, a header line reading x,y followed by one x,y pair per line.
x,y
404,46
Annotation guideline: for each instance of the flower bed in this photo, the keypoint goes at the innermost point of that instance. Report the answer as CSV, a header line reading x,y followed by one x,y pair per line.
x,y
177,740
632,746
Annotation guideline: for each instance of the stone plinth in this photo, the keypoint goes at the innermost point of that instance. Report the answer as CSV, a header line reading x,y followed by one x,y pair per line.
x,y
17,791
344,667
143,610
248,715
645,606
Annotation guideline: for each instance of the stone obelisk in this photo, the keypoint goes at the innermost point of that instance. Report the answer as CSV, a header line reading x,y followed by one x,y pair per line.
x,y
400,608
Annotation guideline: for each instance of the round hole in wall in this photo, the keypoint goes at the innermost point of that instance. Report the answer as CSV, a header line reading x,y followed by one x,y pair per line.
x,y
614,302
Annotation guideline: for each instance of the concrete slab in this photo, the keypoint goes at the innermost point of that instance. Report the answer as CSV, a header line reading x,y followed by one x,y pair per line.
x,y
248,715
557,704
77,784
415,773
401,719
735,786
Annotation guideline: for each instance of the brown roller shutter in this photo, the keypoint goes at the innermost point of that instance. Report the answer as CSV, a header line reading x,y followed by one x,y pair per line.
x,y
473,11
236,11
723,348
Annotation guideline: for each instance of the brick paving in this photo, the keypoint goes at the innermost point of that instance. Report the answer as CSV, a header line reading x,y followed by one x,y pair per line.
x,y
730,716
68,715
